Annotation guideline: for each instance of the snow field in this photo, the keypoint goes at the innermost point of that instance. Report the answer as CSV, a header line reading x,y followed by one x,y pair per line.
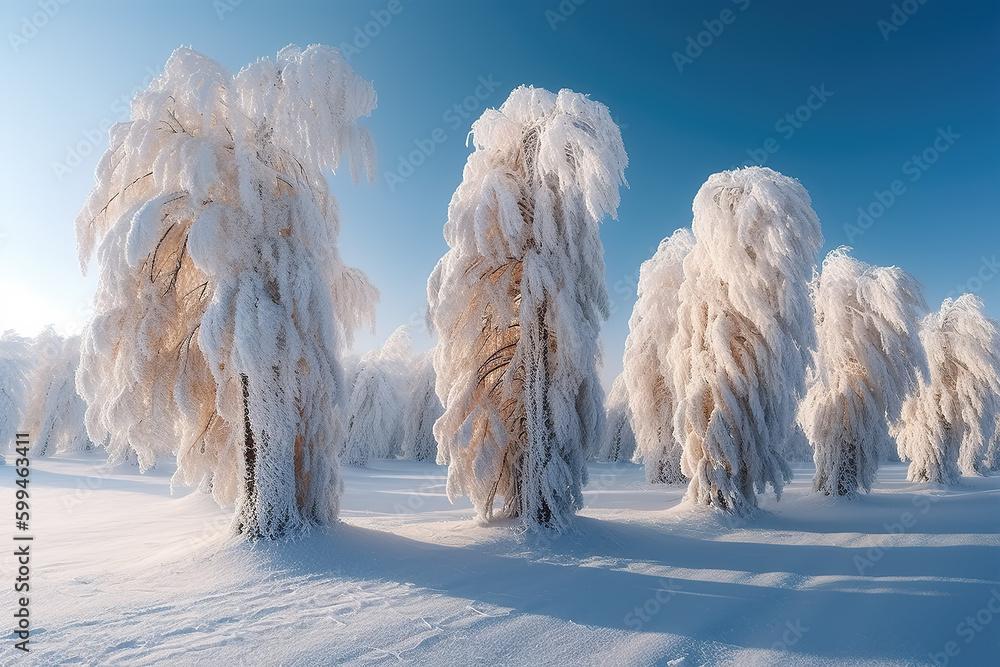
x,y
125,574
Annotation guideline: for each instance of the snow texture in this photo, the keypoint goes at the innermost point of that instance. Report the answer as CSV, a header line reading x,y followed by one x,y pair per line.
x,y
867,360
744,325
374,418
54,413
223,304
647,369
618,442
949,424
423,408
131,576
517,304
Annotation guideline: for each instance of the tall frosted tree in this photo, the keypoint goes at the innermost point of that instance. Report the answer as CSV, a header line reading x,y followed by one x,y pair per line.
x,y
744,325
15,364
867,360
517,304
374,416
796,448
618,441
222,304
946,426
647,371
993,450
54,411
422,408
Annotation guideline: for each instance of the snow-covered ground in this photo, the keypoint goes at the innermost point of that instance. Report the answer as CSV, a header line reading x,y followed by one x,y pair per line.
x,y
125,573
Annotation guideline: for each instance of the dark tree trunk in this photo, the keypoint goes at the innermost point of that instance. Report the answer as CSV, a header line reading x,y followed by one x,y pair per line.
x,y
249,522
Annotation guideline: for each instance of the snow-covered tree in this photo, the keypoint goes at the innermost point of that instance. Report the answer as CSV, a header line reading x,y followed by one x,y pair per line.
x,y
867,359
223,304
993,450
374,418
947,424
618,442
54,411
744,327
647,371
423,408
517,304
15,363
795,448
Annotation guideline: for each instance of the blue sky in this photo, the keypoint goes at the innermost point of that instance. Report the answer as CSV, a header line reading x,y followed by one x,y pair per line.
x,y
911,101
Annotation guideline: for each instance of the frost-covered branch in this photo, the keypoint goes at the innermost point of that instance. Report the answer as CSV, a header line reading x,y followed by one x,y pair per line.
x,y
647,372
868,355
618,441
223,304
744,326
949,424
517,304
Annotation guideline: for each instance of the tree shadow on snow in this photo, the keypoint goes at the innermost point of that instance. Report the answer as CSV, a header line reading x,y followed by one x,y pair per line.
x,y
730,592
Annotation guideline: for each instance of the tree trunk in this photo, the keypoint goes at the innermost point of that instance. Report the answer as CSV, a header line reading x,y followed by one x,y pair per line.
x,y
249,521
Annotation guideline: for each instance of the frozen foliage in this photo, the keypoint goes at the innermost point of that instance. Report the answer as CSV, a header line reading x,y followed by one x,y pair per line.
x,y
647,372
15,363
517,303
223,304
949,423
618,441
744,323
374,418
867,330
423,408
796,447
54,411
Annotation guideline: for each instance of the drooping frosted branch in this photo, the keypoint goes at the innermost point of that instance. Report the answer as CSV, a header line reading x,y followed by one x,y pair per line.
x,y
744,326
867,360
647,372
223,304
517,304
618,441
948,425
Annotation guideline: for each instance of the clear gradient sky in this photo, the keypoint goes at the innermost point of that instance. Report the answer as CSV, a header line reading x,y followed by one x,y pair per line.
x,y
911,100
